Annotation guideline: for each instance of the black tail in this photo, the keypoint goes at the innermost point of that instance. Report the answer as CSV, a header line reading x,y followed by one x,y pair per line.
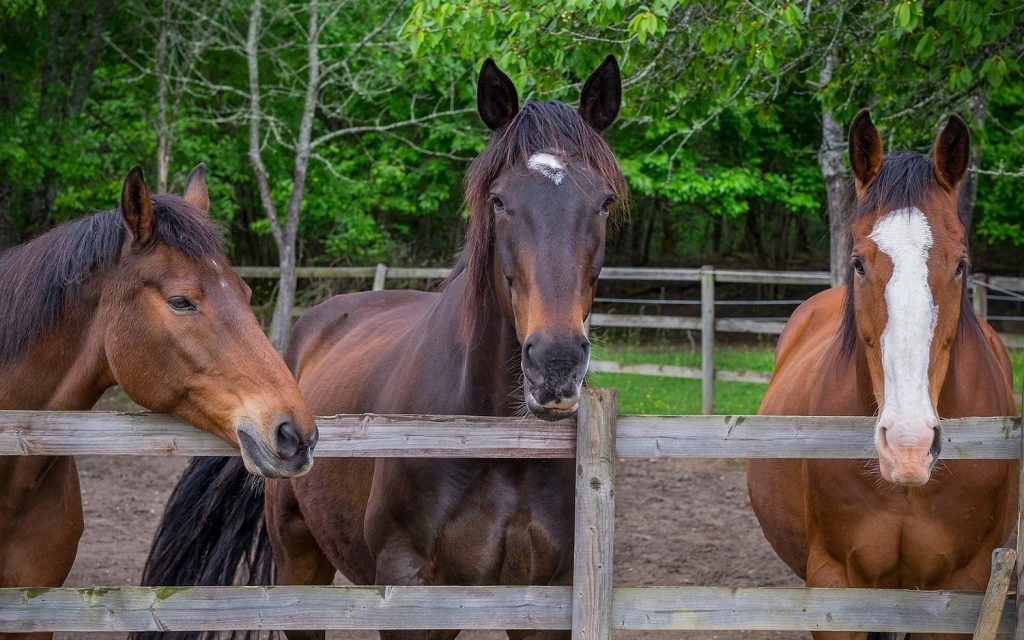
x,y
212,533
880,635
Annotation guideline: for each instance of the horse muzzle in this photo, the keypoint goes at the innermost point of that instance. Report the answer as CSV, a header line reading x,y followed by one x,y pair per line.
x,y
553,373
907,455
291,455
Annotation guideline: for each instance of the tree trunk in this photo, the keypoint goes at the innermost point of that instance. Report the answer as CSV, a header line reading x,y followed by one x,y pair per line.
x,y
163,142
830,159
281,323
977,106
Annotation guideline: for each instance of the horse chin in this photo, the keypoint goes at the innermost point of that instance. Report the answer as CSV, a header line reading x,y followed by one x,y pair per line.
x,y
567,408
260,461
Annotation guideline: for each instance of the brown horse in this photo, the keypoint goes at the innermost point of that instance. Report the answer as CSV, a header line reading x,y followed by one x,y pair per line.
x,y
901,342
142,298
504,335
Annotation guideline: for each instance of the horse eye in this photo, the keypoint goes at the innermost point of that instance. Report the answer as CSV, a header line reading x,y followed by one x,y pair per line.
x,y
858,265
181,303
961,267
607,205
499,206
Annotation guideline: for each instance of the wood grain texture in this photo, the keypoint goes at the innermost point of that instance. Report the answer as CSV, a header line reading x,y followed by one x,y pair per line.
x,y
372,435
1003,563
594,543
635,608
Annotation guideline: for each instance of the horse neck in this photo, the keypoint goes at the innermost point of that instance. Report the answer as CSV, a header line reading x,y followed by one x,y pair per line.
x,y
66,367
974,365
488,356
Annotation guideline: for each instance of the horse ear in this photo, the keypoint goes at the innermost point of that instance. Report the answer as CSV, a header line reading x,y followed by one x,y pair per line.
x,y
195,189
952,152
601,96
137,206
496,97
865,150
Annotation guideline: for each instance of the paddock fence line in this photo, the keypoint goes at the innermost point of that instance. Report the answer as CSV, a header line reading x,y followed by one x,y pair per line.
x,y
982,287
591,607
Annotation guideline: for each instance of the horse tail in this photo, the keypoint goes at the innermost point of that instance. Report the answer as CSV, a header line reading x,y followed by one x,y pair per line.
x,y
212,533
881,635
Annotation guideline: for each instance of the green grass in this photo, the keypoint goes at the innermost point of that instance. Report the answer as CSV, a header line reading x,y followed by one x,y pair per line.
x,y
674,396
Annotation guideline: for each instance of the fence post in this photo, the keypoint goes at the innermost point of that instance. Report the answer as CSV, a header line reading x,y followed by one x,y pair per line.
x,y
980,295
1003,562
1018,629
380,276
707,338
595,516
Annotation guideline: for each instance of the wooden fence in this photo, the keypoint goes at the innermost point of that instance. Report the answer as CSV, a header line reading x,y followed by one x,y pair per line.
x,y
592,606
706,323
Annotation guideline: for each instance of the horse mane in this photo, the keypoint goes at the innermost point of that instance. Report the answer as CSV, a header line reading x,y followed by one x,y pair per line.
x,y
41,278
539,126
903,181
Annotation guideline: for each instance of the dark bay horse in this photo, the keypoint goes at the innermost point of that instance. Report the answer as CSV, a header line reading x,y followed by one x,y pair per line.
x,y
140,297
901,342
505,335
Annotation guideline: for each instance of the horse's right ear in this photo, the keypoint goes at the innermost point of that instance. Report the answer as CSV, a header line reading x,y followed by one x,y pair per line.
x,y
496,97
195,189
137,206
865,150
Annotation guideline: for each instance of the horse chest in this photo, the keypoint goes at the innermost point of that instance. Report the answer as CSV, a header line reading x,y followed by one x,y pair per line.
x,y
501,522
898,537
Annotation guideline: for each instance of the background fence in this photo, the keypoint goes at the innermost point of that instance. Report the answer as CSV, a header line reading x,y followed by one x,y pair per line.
x,y
984,289
592,606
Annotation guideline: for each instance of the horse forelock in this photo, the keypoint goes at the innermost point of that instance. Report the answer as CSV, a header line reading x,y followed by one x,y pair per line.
x,y
43,277
539,127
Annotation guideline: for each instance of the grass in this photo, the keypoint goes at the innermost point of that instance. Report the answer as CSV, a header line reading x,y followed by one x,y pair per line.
x,y
674,396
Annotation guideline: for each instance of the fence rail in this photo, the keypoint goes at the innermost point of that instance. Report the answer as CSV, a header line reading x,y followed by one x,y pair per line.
x,y
706,322
128,609
591,607
389,436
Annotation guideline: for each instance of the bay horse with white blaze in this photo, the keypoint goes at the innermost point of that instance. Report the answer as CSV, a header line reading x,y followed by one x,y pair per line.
x,y
901,342
504,335
142,298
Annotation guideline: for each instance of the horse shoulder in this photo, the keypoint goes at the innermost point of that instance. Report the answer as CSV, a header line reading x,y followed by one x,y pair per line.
x,y
808,334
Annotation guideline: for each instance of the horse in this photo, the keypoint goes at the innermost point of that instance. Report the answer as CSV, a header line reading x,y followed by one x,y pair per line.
x,y
140,297
900,341
504,336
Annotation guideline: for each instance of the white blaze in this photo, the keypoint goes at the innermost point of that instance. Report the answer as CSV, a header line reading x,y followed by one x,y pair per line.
x,y
905,237
548,166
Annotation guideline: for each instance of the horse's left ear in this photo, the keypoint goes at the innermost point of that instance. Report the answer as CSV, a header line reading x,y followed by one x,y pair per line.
x,y
951,152
496,98
195,189
137,206
601,96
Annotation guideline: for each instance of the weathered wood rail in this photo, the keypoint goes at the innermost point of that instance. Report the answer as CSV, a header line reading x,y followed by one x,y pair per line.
x,y
591,607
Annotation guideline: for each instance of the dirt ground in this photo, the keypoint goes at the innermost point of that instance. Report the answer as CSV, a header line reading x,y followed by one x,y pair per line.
x,y
679,522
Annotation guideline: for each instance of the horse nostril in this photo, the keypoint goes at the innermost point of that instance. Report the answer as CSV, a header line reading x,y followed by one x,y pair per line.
x,y
289,440
936,443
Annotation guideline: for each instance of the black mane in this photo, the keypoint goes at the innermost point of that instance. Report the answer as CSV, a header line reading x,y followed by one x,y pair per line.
x,y
39,280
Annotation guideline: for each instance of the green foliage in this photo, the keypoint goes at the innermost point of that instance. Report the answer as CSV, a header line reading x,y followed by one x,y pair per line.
x,y
718,135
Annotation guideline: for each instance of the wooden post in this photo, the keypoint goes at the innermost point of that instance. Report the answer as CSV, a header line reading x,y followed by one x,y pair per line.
x,y
380,276
1003,562
707,338
595,516
1018,631
980,295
